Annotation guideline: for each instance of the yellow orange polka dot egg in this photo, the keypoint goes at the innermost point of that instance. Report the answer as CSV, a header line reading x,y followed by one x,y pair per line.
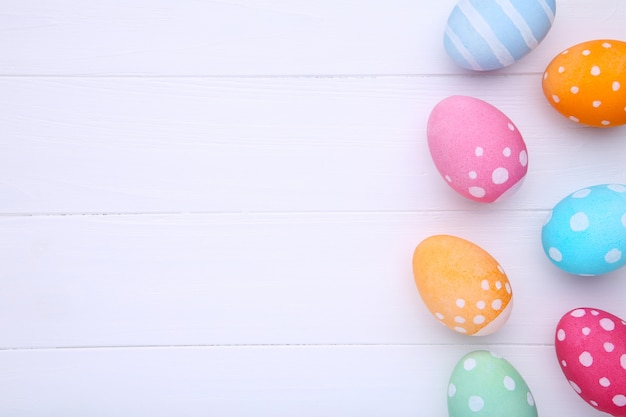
x,y
462,285
587,83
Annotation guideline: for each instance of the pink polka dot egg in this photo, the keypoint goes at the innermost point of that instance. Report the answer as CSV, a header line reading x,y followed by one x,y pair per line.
x,y
591,349
476,148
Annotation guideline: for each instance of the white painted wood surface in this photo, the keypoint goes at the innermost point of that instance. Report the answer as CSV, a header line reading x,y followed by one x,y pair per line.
x,y
209,208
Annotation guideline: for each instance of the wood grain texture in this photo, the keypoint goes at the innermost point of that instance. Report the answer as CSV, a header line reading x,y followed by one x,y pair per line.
x,y
210,207
259,37
264,381
307,144
333,278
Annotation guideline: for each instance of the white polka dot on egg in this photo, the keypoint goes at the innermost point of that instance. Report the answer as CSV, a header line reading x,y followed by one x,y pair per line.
x,y
579,222
585,359
581,193
469,364
523,158
476,403
619,400
607,324
555,254
500,175
477,192
613,256
509,383
575,387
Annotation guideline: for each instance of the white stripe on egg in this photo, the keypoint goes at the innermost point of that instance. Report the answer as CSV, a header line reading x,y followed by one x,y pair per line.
x,y
484,30
519,22
462,50
547,10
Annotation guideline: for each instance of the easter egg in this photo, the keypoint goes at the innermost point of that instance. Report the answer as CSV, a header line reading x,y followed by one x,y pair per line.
x,y
476,148
585,233
587,83
590,346
485,35
483,384
462,285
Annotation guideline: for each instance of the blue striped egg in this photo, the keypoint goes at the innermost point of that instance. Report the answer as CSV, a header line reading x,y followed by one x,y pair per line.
x,y
483,35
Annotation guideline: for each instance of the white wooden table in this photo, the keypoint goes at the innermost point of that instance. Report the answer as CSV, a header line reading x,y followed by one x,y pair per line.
x,y
209,208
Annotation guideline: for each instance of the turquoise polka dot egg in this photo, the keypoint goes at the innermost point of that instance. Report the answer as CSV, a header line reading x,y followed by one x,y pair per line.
x,y
585,233
483,384
484,35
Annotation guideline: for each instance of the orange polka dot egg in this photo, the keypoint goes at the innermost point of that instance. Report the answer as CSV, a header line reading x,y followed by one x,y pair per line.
x,y
587,83
462,285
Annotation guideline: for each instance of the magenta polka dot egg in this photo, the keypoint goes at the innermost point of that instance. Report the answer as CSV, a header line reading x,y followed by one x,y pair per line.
x,y
591,349
476,148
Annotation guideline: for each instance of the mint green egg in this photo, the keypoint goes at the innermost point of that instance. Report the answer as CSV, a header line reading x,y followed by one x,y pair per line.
x,y
483,384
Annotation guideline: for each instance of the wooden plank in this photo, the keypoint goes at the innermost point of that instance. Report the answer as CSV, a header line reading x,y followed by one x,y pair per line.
x,y
259,37
307,144
329,278
259,381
